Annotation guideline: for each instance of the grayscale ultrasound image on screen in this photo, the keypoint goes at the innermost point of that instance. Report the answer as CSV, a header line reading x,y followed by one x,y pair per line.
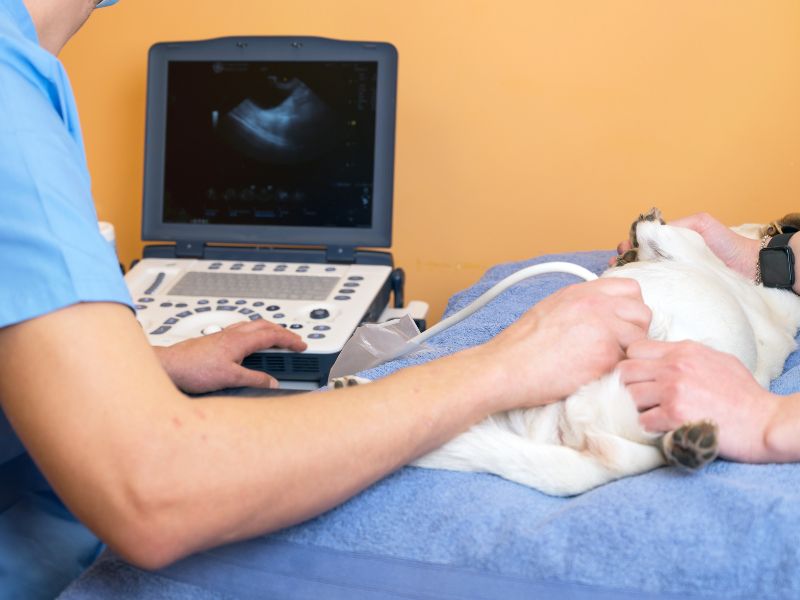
x,y
270,143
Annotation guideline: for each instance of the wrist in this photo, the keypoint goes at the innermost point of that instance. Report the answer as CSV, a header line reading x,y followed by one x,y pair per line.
x,y
510,384
165,358
781,439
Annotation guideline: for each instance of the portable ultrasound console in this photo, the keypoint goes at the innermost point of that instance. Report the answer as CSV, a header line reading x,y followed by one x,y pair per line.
x,y
269,166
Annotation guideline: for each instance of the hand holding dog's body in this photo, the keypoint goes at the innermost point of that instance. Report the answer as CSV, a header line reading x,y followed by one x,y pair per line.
x,y
587,326
675,383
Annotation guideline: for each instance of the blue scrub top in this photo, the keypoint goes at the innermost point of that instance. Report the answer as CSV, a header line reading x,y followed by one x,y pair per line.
x,y
51,256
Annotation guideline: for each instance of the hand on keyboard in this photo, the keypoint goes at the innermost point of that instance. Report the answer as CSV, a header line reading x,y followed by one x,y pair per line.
x,y
213,362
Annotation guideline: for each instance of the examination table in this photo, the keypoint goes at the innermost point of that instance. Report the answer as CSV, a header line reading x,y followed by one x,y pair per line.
x,y
730,531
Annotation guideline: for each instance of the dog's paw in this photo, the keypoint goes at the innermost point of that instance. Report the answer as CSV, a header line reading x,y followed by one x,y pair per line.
x,y
347,381
693,445
630,256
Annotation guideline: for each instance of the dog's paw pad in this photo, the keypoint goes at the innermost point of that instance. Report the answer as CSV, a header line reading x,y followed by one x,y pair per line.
x,y
693,445
347,381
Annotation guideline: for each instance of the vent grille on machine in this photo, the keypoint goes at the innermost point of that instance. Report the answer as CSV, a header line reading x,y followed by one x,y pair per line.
x,y
269,363
305,364
276,364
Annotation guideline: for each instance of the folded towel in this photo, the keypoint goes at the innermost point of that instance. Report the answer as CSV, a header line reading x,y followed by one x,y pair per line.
x,y
730,531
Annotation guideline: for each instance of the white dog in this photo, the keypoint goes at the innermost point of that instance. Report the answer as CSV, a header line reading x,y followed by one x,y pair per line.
x,y
594,436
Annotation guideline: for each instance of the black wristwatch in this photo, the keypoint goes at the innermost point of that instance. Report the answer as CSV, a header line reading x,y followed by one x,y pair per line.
x,y
776,262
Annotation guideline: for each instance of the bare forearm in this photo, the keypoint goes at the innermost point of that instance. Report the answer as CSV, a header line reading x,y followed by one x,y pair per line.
x,y
239,469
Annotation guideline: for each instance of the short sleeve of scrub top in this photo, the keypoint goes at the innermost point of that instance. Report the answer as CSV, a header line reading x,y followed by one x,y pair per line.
x,y
51,256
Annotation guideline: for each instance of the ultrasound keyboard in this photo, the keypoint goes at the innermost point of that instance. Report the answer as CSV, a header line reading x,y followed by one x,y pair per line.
x,y
178,299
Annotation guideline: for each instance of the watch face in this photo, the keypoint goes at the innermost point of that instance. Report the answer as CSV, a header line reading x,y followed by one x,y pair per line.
x,y
777,267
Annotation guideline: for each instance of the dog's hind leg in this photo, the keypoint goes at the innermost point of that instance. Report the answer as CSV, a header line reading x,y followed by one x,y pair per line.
x,y
553,469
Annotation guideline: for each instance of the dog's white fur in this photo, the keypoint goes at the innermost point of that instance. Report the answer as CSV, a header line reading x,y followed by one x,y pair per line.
x,y
594,436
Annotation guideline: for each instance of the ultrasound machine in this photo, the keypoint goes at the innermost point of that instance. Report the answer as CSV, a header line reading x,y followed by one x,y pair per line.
x,y
269,168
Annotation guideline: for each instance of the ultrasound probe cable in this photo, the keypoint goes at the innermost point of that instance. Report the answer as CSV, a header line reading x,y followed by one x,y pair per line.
x,y
491,294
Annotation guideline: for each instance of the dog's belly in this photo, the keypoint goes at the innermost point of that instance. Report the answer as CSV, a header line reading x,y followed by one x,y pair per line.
x,y
693,303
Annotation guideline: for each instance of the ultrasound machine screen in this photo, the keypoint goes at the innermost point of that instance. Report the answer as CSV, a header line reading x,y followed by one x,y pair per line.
x,y
270,143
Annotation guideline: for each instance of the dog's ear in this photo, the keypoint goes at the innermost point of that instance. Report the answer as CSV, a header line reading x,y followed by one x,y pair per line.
x,y
776,227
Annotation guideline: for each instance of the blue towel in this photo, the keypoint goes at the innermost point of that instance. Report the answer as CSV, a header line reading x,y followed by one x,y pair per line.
x,y
731,531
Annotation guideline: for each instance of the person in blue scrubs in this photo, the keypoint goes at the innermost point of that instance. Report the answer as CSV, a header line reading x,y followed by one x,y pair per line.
x,y
52,257
94,417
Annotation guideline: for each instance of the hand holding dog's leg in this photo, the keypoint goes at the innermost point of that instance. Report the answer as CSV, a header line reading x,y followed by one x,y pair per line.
x,y
738,252
674,383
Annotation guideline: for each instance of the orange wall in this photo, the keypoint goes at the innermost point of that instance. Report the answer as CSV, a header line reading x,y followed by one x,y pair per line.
x,y
524,127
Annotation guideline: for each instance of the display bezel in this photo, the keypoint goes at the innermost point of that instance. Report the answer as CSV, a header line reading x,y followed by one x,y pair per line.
x,y
278,49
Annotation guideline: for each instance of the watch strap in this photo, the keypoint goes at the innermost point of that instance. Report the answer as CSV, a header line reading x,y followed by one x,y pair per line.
x,y
780,240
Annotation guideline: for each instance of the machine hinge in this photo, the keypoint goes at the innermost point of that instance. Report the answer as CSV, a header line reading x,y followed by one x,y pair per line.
x,y
340,254
190,249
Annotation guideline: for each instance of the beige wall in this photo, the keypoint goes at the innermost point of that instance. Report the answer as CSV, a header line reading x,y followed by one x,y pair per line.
x,y
524,127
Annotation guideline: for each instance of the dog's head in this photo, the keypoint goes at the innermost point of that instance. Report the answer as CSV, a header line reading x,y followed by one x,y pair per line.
x,y
789,223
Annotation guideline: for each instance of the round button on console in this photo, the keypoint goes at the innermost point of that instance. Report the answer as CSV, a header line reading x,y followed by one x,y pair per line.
x,y
321,328
316,336
320,313
295,326
273,308
341,298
